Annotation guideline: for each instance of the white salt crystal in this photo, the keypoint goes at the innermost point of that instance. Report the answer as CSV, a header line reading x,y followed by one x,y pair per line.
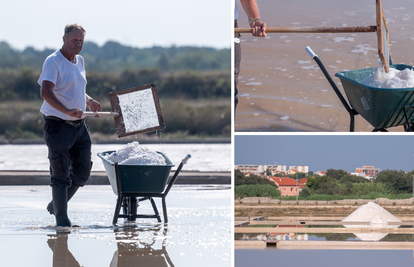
x,y
135,154
393,79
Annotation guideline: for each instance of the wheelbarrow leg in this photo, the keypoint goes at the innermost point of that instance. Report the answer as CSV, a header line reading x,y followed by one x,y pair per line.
x,y
131,208
117,209
154,207
164,210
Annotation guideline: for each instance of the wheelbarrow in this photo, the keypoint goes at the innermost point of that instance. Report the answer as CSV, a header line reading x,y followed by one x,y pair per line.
x,y
381,107
144,181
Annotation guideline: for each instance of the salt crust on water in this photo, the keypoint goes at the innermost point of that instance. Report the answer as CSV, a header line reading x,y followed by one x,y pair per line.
x,y
376,215
393,79
135,154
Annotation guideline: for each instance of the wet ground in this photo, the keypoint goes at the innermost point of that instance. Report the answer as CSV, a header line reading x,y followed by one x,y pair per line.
x,y
198,232
282,89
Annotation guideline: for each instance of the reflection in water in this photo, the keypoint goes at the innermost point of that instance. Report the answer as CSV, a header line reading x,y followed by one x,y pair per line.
x,y
136,247
62,257
143,246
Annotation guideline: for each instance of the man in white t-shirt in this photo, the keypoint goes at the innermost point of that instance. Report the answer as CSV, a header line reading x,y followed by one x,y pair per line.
x,y
63,88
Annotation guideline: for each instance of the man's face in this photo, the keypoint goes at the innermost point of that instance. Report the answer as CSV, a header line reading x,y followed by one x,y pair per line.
x,y
73,41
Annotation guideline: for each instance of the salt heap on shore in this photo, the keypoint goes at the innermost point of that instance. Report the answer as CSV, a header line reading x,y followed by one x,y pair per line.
x,y
393,79
135,154
374,214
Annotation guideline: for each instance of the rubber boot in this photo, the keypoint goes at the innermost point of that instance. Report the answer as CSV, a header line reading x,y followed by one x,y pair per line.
x,y
60,205
71,192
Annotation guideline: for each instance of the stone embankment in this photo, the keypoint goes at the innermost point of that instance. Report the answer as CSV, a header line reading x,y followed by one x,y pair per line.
x,y
101,178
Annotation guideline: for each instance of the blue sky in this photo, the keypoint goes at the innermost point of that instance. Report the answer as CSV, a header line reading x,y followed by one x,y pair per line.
x,y
322,152
136,23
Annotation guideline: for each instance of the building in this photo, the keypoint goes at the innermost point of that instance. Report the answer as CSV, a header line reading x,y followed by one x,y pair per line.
x,y
287,186
302,183
258,169
367,171
291,172
304,169
320,173
276,168
252,169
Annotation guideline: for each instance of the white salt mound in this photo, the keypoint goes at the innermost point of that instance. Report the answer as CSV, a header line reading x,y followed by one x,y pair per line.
x,y
393,79
135,154
374,214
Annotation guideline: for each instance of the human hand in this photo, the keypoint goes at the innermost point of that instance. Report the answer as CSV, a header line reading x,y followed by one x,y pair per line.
x,y
258,28
75,112
95,106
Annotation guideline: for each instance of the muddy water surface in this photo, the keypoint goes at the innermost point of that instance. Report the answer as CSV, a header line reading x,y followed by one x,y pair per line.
x,y
282,89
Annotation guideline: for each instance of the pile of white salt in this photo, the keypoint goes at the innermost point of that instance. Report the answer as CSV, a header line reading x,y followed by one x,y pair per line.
x,y
135,154
393,79
377,216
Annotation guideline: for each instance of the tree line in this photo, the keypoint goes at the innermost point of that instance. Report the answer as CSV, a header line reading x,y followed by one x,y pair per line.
x,y
179,72
338,184
115,57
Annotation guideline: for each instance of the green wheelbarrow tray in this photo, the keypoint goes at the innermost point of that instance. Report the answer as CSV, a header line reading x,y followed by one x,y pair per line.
x,y
137,178
381,107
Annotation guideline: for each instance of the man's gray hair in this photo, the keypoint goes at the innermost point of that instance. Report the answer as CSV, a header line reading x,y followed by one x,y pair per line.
x,y
73,26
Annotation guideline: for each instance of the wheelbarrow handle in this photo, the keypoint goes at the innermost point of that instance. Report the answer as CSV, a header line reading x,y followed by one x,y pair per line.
x,y
172,181
310,51
334,87
184,161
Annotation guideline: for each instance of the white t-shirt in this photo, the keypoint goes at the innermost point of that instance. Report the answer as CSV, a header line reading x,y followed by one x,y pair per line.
x,y
70,83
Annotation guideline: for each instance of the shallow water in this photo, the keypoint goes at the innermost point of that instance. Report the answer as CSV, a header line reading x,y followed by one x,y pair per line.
x,y
204,157
282,89
198,232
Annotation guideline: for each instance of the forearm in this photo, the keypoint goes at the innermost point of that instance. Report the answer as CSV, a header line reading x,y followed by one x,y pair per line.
x,y
251,9
46,92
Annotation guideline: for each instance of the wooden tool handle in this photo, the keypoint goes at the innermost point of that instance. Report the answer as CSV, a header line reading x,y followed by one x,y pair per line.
x,y
101,113
312,29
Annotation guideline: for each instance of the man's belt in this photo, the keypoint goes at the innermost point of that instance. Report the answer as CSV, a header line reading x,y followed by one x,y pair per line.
x,y
75,124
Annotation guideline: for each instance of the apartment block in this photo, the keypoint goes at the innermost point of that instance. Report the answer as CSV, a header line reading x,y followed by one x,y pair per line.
x,y
304,169
367,171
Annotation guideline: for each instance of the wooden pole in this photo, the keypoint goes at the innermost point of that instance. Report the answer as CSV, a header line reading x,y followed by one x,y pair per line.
x,y
312,29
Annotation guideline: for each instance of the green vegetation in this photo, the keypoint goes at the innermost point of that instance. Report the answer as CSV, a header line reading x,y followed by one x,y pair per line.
x,y
113,57
256,190
193,84
254,186
241,179
339,185
200,118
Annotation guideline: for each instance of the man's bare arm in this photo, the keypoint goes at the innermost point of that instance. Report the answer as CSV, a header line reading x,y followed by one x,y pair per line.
x,y
46,92
252,12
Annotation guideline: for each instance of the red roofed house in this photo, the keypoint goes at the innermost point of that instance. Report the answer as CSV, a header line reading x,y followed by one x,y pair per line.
x,y
288,186
302,183
320,173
